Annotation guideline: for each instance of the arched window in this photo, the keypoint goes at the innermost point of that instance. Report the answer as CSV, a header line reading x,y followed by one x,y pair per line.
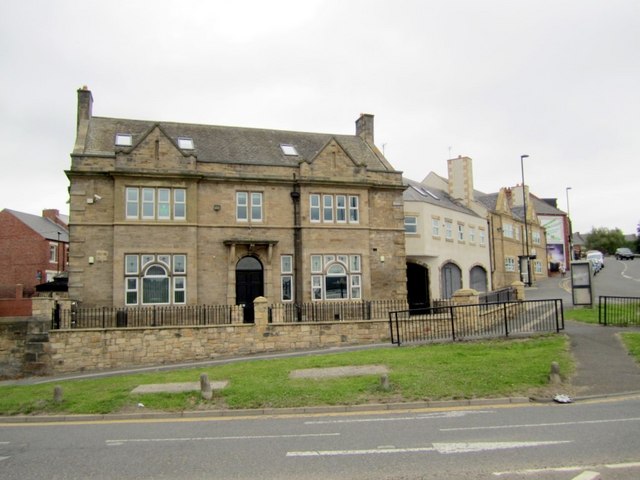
x,y
155,285
152,279
336,282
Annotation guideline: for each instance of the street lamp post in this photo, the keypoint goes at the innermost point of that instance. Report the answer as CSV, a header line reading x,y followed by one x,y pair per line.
x,y
570,234
526,231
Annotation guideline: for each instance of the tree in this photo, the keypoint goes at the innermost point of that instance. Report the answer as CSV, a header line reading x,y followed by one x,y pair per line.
x,y
605,240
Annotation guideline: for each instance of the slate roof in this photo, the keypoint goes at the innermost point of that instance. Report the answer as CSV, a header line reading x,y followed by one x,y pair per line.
x,y
417,192
42,226
544,208
232,145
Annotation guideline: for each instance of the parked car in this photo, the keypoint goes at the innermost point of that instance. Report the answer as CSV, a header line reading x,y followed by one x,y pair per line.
x,y
624,254
597,260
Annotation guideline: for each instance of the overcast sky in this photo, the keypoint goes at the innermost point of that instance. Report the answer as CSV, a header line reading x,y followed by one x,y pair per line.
x,y
493,80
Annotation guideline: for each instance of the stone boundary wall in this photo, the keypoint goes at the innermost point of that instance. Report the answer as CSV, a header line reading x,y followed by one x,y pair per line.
x,y
98,349
31,348
24,347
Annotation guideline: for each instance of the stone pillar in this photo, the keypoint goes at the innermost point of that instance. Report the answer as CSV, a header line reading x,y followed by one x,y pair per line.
x,y
466,317
519,286
261,312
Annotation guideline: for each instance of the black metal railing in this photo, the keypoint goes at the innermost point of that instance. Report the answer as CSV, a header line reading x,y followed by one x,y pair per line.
x,y
333,311
154,316
618,311
507,294
462,322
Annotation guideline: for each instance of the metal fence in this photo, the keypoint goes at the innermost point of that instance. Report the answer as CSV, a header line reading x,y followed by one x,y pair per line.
x,y
507,294
619,311
156,316
485,320
334,311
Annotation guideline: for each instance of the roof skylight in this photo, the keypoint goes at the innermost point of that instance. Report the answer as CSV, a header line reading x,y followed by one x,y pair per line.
x,y
185,143
123,139
424,192
289,149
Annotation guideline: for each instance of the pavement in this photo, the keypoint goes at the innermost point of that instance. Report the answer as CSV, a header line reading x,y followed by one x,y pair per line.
x,y
603,366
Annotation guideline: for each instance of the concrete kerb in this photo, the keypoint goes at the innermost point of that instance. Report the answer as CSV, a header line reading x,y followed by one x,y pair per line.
x,y
329,409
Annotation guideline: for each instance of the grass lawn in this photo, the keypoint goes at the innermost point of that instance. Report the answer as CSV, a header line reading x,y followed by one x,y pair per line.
x,y
582,314
632,342
441,371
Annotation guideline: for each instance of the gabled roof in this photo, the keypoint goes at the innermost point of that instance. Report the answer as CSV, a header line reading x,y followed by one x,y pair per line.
x,y
544,208
418,192
42,226
488,200
232,145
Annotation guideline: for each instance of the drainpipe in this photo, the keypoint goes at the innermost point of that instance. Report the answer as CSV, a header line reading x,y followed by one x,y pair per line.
x,y
297,242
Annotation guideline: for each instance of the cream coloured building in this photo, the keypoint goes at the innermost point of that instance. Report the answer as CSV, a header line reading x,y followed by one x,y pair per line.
x,y
446,243
504,216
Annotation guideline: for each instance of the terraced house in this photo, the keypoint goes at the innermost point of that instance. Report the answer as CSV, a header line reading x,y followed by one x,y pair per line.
x,y
168,213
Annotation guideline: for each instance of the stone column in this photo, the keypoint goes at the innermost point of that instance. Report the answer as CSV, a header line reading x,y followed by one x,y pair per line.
x,y
261,312
466,311
519,286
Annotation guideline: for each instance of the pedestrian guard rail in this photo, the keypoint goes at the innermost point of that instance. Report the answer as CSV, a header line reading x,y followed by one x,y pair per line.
x,y
483,320
619,311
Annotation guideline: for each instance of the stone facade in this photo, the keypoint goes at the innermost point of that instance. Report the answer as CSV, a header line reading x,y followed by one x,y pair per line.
x,y
230,194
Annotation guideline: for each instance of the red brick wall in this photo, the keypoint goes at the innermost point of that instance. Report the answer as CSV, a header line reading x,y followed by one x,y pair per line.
x,y
23,253
15,307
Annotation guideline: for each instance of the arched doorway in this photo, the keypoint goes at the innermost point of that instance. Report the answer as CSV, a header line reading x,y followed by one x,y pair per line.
x,y
451,280
478,279
417,286
249,285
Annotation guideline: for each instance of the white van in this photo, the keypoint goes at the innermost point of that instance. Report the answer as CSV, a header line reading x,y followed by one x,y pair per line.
x,y
597,260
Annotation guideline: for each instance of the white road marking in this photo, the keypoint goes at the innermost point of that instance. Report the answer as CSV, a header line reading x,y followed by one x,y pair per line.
x,y
426,416
572,468
529,425
4,458
442,448
208,439
371,451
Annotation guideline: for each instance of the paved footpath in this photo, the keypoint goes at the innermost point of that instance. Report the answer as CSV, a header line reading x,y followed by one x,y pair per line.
x,y
603,366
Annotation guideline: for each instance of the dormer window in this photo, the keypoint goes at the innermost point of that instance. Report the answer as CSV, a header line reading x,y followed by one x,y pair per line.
x,y
289,149
123,140
185,143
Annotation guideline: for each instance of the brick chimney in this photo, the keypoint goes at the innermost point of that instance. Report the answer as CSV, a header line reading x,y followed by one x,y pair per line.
x,y
54,215
85,104
460,172
364,127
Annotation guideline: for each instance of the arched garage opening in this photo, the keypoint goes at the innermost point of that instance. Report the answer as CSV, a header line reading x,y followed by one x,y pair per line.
x,y
478,279
417,286
451,280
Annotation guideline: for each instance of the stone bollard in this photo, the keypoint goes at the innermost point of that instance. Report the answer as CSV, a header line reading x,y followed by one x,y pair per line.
x,y
554,375
57,394
384,382
205,387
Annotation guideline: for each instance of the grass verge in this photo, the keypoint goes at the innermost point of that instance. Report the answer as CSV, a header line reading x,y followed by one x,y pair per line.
x,y
582,314
632,342
442,371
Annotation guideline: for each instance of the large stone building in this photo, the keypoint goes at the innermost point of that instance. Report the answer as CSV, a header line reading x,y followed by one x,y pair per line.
x,y
175,213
